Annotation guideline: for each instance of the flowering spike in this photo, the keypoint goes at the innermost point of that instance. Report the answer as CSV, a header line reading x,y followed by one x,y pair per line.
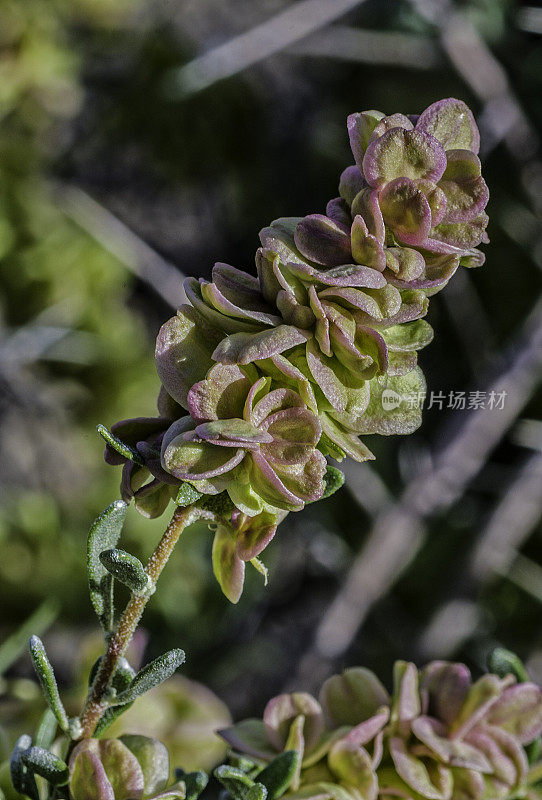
x,y
265,375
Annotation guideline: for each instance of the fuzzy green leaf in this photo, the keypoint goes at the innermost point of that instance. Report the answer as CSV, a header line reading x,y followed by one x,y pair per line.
x,y
153,674
239,785
46,764
187,495
46,730
121,447
219,504
176,792
242,762
108,718
126,568
104,534
234,780
22,779
503,662
195,782
333,479
257,792
277,776
47,679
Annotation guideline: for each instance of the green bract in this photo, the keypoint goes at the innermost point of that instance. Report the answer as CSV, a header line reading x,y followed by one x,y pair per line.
x,y
439,736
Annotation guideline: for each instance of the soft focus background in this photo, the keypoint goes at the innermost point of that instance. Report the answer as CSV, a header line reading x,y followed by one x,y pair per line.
x,y
143,140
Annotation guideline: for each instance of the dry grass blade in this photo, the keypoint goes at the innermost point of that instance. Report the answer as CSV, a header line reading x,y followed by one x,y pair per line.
x,y
284,29
347,43
119,240
399,530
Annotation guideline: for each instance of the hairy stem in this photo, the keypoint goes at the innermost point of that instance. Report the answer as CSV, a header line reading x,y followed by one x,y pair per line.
x,y
119,641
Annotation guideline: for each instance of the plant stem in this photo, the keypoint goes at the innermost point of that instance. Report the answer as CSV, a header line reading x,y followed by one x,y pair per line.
x,y
119,641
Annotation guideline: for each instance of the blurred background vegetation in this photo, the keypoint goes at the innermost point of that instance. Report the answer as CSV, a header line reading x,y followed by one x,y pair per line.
x,y
141,141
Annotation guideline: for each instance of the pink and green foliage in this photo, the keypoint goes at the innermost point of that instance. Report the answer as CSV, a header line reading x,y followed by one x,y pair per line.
x,y
130,768
438,736
256,443
265,375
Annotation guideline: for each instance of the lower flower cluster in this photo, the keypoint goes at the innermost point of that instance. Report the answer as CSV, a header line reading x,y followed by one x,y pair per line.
x,y
438,736
265,375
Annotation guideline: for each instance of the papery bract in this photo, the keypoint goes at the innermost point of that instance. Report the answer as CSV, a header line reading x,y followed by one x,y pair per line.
x,y
129,768
256,443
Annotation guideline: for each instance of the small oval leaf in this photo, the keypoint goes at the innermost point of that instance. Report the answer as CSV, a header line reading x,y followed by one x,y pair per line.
x,y
239,785
22,779
46,764
333,479
126,568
